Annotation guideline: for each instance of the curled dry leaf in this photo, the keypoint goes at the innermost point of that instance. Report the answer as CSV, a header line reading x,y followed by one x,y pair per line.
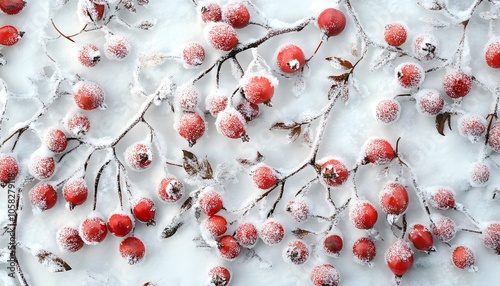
x,y
301,233
194,168
171,230
441,120
247,163
51,261
293,134
339,63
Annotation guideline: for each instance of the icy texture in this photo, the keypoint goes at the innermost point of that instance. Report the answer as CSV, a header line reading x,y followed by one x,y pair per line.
x,y
479,174
387,111
186,97
429,102
272,232
116,47
472,126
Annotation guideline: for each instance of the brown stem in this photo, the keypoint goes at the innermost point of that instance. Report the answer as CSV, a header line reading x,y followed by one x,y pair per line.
x,y
271,212
60,33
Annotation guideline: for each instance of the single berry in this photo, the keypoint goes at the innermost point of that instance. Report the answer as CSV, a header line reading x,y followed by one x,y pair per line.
x,y
56,140
219,276
272,232
78,124
120,224
91,10
236,14
216,102
463,258
12,7
492,55
296,252
132,250
364,250
479,174
395,34
445,229
290,59
457,84
258,89
332,245
421,237
228,247
246,235
43,197
399,258
191,126
93,230
138,156
75,192
264,177
116,47
221,36
89,55
377,151
170,190
9,35
491,237
9,169
193,55
324,275
387,110
186,97
334,173
410,75
393,199
363,215
426,47
88,95
429,102
298,209
494,137
249,110
210,202
41,167
442,198
216,225
68,239
331,22
231,124
144,210
211,13
472,126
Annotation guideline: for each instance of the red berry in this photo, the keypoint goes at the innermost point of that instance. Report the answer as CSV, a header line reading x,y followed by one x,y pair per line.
x,y
132,250
9,169
144,210
298,209
138,156
116,47
364,250
12,7
264,177
249,110
334,173
325,274
56,141
494,137
463,258
426,47
457,84
491,237
210,202
221,36
78,124
290,59
410,75
246,235
472,126
193,54
395,34
120,224
228,247
399,258
479,174
331,22
393,199
272,232
429,102
236,14
258,89
421,237
296,252
93,230
492,55
216,102
88,95
332,245
170,190
91,10
378,152
9,35
216,225
190,126
89,55
68,239
442,198
75,192
363,215
387,111
41,167
186,97
43,197
211,13
231,124
444,229
219,276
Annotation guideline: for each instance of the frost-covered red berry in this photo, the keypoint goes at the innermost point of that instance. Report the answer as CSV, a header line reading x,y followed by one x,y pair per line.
x,y
93,229
228,247
186,97
387,110
236,14
442,198
331,22
246,235
216,225
116,47
264,177
221,36
219,276
457,84
210,202
421,238
193,54
9,35
425,47
9,169
393,199
472,126
491,237
410,75
170,190
272,232
258,89
12,7
395,34
377,151
89,55
216,102
191,126
298,209
249,110
333,244
120,224
144,210
479,174
231,124
296,252
43,197
88,95
444,229
138,156
210,13
90,11
56,140
75,192
324,274
290,59
132,250
78,124
364,250
334,173
494,137
363,215
41,166
463,258
429,102
492,55
68,239
399,258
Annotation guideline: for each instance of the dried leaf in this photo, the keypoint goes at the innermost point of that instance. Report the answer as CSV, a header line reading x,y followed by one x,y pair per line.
x,y
436,24
294,133
339,78
190,163
283,126
188,203
441,120
53,263
171,230
340,63
333,89
259,158
149,284
345,93
206,170
307,137
300,233
145,25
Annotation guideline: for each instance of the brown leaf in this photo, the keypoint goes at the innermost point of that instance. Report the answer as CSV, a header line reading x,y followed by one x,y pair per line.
x,y
300,233
52,262
171,230
206,170
190,163
441,120
259,158
145,25
294,133
340,62
149,284
283,126
188,203
339,78
334,88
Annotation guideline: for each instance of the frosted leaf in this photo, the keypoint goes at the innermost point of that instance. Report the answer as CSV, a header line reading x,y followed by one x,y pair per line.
x,y
49,260
488,15
381,58
225,172
165,89
435,23
299,85
307,137
152,59
431,4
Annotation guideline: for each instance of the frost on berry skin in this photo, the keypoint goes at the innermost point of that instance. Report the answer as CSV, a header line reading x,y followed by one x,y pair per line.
x,y
334,173
210,12
68,239
191,126
221,36
272,232
421,238
249,110
377,151
93,229
215,102
299,209
442,198
290,58
120,224
363,215
216,225
116,47
193,55
259,89
41,166
139,156
324,274
236,14
170,190
395,34
246,235
229,248
43,197
144,211
12,7
218,276
457,84
331,22
231,124
464,258
264,177
55,140
296,252
429,102
387,111
132,250
186,98
425,47
399,258
9,169
75,192
364,251
492,54
78,124
444,229
479,174
88,95
393,199
494,137
210,202
9,35
89,55
472,126
491,237
410,75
